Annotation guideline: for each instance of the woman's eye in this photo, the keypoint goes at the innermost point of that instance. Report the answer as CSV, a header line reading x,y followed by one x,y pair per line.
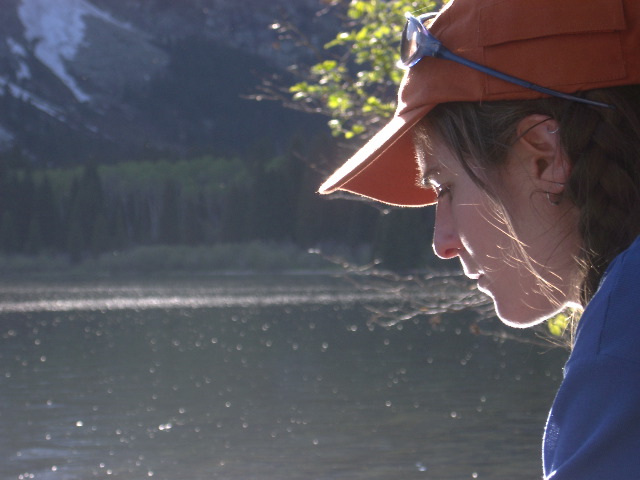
x,y
442,190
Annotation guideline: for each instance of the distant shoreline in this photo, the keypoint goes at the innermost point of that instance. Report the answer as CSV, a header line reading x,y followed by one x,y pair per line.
x,y
227,259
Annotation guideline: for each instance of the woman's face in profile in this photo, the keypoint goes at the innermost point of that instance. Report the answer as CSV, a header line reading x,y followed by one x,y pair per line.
x,y
528,277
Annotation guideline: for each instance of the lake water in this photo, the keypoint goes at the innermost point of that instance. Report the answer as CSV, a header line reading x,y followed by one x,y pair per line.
x,y
257,377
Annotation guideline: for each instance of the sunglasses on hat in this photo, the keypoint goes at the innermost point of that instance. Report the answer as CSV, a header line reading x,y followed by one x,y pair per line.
x,y
418,42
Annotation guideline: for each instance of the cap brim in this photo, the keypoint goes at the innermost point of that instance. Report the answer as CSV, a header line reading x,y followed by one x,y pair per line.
x,y
386,168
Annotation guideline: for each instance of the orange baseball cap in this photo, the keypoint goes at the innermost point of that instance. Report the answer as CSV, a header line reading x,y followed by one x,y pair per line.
x,y
565,45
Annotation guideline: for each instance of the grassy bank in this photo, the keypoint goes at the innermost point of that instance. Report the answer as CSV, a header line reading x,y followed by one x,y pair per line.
x,y
256,257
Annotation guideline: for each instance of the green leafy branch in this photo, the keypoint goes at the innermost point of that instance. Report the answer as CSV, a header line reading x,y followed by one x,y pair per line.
x,y
356,86
354,79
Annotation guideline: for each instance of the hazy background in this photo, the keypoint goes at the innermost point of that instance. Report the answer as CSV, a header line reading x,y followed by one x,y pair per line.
x,y
134,124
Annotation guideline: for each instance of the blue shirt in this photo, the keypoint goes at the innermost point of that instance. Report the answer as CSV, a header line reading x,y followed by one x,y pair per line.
x,y
593,429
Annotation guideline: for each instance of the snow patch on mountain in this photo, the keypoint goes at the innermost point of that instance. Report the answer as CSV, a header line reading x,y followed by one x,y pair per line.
x,y
28,97
57,29
17,49
20,53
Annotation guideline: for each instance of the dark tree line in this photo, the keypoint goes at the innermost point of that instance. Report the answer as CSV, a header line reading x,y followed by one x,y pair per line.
x,y
101,208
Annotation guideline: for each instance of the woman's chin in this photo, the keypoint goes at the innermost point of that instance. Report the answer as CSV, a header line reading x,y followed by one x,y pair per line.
x,y
518,315
520,322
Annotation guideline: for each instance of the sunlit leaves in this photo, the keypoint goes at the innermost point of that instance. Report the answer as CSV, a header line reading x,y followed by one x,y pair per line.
x,y
562,323
558,324
356,85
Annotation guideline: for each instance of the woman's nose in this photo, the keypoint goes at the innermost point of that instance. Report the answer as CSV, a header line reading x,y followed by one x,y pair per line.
x,y
446,241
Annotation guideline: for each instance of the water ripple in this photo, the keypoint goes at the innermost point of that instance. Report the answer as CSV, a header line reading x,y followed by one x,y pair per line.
x,y
162,302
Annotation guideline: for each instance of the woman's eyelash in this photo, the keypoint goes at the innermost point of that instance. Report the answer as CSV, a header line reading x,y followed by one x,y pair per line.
x,y
441,190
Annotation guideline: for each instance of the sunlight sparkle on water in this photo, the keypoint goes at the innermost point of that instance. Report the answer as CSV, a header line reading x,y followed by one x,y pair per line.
x,y
115,296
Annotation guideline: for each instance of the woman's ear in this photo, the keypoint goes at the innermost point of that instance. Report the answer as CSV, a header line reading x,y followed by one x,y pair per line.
x,y
540,148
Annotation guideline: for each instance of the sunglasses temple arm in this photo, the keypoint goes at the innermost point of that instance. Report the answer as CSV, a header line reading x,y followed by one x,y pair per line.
x,y
446,54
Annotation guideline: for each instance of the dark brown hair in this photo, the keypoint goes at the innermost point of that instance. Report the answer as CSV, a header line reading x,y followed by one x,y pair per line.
x,y
603,145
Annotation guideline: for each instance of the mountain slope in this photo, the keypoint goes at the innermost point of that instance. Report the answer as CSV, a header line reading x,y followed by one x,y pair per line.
x,y
105,79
